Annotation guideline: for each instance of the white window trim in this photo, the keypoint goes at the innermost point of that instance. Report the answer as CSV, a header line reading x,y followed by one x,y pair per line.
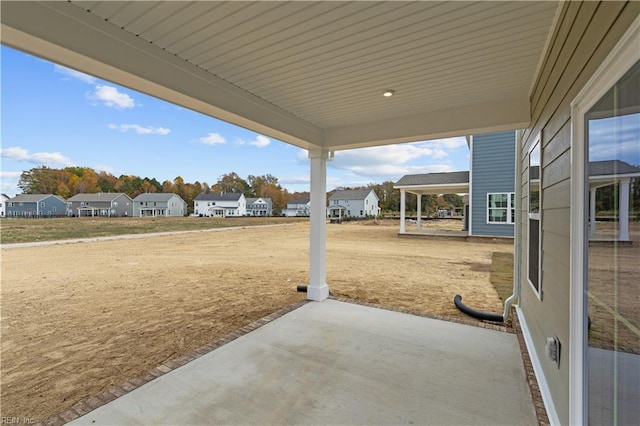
x,y
621,58
511,205
535,216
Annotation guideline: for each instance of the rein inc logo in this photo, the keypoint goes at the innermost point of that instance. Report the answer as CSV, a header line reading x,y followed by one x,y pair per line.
x,y
17,421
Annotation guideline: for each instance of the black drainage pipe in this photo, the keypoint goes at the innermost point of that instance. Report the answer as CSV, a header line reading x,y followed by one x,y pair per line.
x,y
485,316
303,289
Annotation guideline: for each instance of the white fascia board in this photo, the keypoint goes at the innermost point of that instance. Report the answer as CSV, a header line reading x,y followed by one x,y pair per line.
x,y
439,189
68,35
461,121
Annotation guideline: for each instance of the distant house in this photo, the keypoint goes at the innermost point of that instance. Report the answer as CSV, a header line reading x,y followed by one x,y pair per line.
x,y
101,204
297,208
490,184
259,207
221,204
353,203
3,204
159,204
35,205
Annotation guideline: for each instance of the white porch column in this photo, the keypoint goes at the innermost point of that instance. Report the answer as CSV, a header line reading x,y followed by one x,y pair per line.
x,y
403,203
419,211
592,212
317,288
623,210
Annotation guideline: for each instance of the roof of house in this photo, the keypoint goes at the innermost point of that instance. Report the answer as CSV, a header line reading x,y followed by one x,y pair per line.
x,y
100,196
351,194
611,167
219,196
32,198
253,200
301,201
156,196
445,178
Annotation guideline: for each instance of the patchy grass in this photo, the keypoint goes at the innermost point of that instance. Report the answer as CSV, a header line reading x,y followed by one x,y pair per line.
x,y
31,230
502,273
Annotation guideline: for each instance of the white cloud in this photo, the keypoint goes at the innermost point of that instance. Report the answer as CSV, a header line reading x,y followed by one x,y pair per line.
x,y
213,139
260,141
111,97
141,130
294,180
75,74
104,168
10,175
40,158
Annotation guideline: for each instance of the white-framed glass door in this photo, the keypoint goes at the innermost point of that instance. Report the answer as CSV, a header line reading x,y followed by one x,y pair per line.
x,y
605,242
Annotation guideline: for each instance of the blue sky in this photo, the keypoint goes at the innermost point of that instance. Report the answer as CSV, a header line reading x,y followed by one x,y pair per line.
x,y
57,117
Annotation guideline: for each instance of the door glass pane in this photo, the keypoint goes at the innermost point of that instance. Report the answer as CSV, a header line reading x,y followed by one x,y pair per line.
x,y
613,274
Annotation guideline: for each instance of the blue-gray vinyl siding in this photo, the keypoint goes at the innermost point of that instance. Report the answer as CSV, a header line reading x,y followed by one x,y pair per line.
x,y
492,171
49,206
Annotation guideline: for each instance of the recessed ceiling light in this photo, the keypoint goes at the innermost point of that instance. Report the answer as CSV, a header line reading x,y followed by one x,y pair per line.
x,y
388,93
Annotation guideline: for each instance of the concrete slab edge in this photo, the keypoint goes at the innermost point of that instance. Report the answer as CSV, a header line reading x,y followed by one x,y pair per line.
x,y
90,403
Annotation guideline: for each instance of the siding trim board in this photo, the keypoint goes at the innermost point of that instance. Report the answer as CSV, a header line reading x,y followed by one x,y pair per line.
x,y
545,391
622,57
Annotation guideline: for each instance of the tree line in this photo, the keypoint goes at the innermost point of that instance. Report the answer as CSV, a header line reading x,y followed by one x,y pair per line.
x,y
69,181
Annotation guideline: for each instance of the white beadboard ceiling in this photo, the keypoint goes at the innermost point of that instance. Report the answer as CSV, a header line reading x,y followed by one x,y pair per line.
x,y
309,73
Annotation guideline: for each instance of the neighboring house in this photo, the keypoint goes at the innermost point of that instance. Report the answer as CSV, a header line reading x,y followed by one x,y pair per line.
x,y
353,203
490,184
229,204
159,204
3,204
259,207
35,205
101,204
297,208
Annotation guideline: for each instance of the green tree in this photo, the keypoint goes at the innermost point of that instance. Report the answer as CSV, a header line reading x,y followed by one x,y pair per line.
x,y
231,182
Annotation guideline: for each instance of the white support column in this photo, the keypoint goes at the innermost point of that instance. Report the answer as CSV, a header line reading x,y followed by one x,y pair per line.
x,y
317,288
419,211
403,203
623,210
592,212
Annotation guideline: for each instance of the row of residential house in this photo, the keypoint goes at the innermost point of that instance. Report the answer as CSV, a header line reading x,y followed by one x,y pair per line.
x,y
357,203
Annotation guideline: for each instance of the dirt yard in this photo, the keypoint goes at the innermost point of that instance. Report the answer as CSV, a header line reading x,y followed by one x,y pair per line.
x,y
80,318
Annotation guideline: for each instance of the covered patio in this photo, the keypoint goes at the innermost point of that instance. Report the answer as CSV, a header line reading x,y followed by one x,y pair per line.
x,y
331,76
348,364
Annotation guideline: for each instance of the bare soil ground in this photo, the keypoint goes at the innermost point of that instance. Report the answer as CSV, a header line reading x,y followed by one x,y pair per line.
x,y
79,318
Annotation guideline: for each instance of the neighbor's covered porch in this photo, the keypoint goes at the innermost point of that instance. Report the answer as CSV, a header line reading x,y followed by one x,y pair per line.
x,y
432,184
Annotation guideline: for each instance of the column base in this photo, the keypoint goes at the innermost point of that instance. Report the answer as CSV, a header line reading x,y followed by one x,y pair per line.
x,y
317,293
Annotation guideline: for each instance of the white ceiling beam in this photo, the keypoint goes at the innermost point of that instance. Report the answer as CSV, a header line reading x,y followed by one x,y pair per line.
x,y
68,35
462,121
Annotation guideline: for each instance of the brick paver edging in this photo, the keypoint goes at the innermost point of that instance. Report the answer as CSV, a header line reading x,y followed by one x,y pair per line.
x,y
536,396
475,323
89,404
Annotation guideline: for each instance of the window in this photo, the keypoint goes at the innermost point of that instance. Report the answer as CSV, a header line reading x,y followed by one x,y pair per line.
x,y
42,203
501,207
534,229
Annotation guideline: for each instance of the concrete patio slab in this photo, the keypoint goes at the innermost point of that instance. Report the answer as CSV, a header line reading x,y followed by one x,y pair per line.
x,y
339,363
